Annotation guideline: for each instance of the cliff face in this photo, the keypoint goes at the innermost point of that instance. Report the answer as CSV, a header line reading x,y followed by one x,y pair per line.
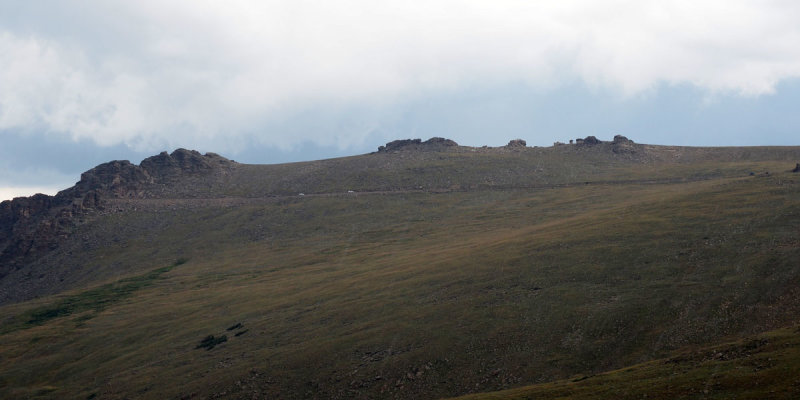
x,y
32,225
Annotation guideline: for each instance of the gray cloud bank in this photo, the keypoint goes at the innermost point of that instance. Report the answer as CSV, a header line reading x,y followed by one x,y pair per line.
x,y
155,74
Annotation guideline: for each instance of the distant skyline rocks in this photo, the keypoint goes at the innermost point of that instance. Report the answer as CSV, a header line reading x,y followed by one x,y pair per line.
x,y
433,143
437,143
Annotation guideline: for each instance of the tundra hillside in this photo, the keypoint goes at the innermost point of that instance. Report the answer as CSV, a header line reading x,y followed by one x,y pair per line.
x,y
423,270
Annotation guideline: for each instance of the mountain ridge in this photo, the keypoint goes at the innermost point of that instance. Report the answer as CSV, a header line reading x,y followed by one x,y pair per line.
x,y
32,226
419,272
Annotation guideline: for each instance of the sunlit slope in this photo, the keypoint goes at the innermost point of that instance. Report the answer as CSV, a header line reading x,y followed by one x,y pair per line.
x,y
412,294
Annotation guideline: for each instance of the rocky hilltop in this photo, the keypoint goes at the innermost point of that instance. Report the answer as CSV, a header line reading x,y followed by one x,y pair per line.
x,y
122,179
32,225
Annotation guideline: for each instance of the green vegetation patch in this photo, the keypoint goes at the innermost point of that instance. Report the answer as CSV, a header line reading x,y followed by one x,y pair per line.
x,y
94,300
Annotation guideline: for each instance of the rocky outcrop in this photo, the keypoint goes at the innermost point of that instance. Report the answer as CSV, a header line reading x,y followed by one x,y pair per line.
x,y
590,140
122,179
30,225
18,212
622,145
112,179
517,143
439,142
181,162
619,139
396,145
432,144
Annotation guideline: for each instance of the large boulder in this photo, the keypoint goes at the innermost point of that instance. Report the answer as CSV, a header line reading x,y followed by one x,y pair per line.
x,y
395,145
439,141
622,145
517,143
621,139
591,140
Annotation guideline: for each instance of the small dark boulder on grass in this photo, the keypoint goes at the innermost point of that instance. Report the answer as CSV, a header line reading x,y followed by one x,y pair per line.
x,y
796,168
210,341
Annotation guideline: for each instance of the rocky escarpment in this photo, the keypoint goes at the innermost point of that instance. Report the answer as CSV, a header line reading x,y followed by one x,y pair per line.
x,y
117,179
32,225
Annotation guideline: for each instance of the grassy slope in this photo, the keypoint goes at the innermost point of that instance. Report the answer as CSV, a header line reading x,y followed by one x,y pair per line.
x,y
766,366
422,294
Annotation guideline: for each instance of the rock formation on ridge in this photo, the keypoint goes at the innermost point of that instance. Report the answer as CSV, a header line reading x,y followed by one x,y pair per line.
x,y
29,225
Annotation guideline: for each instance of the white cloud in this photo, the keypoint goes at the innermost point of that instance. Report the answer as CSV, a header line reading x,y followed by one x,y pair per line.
x,y
27,181
155,74
10,192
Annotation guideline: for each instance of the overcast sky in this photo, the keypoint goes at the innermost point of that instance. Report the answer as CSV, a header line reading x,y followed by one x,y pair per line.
x,y
84,82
